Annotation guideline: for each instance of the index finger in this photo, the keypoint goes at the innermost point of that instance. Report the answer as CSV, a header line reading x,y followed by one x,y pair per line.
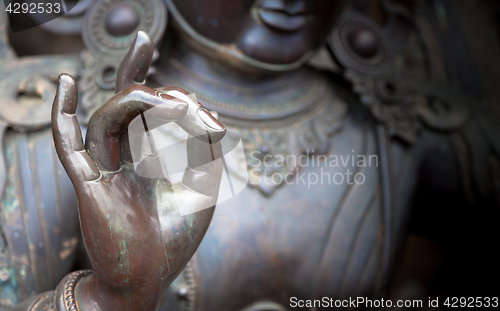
x,y
110,122
134,67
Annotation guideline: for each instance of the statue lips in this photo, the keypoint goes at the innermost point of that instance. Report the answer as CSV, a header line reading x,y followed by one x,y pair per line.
x,y
289,17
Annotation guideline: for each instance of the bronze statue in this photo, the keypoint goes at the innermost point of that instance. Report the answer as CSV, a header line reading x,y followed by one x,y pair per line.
x,y
333,159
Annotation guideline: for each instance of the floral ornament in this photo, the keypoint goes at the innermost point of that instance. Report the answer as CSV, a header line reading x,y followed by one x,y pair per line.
x,y
390,102
267,164
313,137
272,154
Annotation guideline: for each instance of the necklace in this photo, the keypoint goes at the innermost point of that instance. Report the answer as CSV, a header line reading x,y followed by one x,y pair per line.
x,y
299,118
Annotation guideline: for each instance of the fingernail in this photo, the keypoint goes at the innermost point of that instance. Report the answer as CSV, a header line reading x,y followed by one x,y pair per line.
x,y
210,121
180,104
66,82
64,77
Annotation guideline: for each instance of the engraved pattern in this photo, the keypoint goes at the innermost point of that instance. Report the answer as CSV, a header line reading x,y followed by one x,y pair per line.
x,y
189,274
267,148
390,103
69,289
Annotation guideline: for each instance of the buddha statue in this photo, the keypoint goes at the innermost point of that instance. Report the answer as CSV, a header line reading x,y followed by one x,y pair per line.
x,y
333,159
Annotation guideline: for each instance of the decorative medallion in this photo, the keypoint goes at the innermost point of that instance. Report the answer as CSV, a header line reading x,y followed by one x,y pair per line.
x,y
361,46
394,100
110,26
109,29
28,87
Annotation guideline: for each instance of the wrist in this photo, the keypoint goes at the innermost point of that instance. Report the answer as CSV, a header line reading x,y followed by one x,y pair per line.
x,y
91,294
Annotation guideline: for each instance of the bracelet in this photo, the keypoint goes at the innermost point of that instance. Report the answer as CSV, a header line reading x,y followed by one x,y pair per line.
x,y
64,296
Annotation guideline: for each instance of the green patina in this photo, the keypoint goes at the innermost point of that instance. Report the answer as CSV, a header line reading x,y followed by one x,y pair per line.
x,y
10,202
8,290
189,220
151,194
123,258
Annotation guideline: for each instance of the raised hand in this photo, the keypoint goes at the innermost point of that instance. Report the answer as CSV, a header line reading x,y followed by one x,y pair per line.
x,y
136,239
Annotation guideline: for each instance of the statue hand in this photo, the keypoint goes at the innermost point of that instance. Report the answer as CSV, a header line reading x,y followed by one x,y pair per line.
x,y
136,240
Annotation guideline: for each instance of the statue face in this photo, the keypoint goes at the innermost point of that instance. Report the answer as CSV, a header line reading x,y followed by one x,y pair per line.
x,y
270,31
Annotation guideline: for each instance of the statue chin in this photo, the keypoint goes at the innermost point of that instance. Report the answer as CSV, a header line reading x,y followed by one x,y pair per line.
x,y
258,46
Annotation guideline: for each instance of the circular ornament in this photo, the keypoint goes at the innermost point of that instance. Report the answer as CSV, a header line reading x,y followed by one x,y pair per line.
x,y
27,97
110,26
359,45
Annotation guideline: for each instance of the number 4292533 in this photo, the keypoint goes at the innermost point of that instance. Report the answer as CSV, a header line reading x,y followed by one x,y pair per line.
x,y
478,302
33,8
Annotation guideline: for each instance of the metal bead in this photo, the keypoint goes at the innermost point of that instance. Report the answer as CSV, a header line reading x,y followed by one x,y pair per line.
x,y
122,19
364,42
